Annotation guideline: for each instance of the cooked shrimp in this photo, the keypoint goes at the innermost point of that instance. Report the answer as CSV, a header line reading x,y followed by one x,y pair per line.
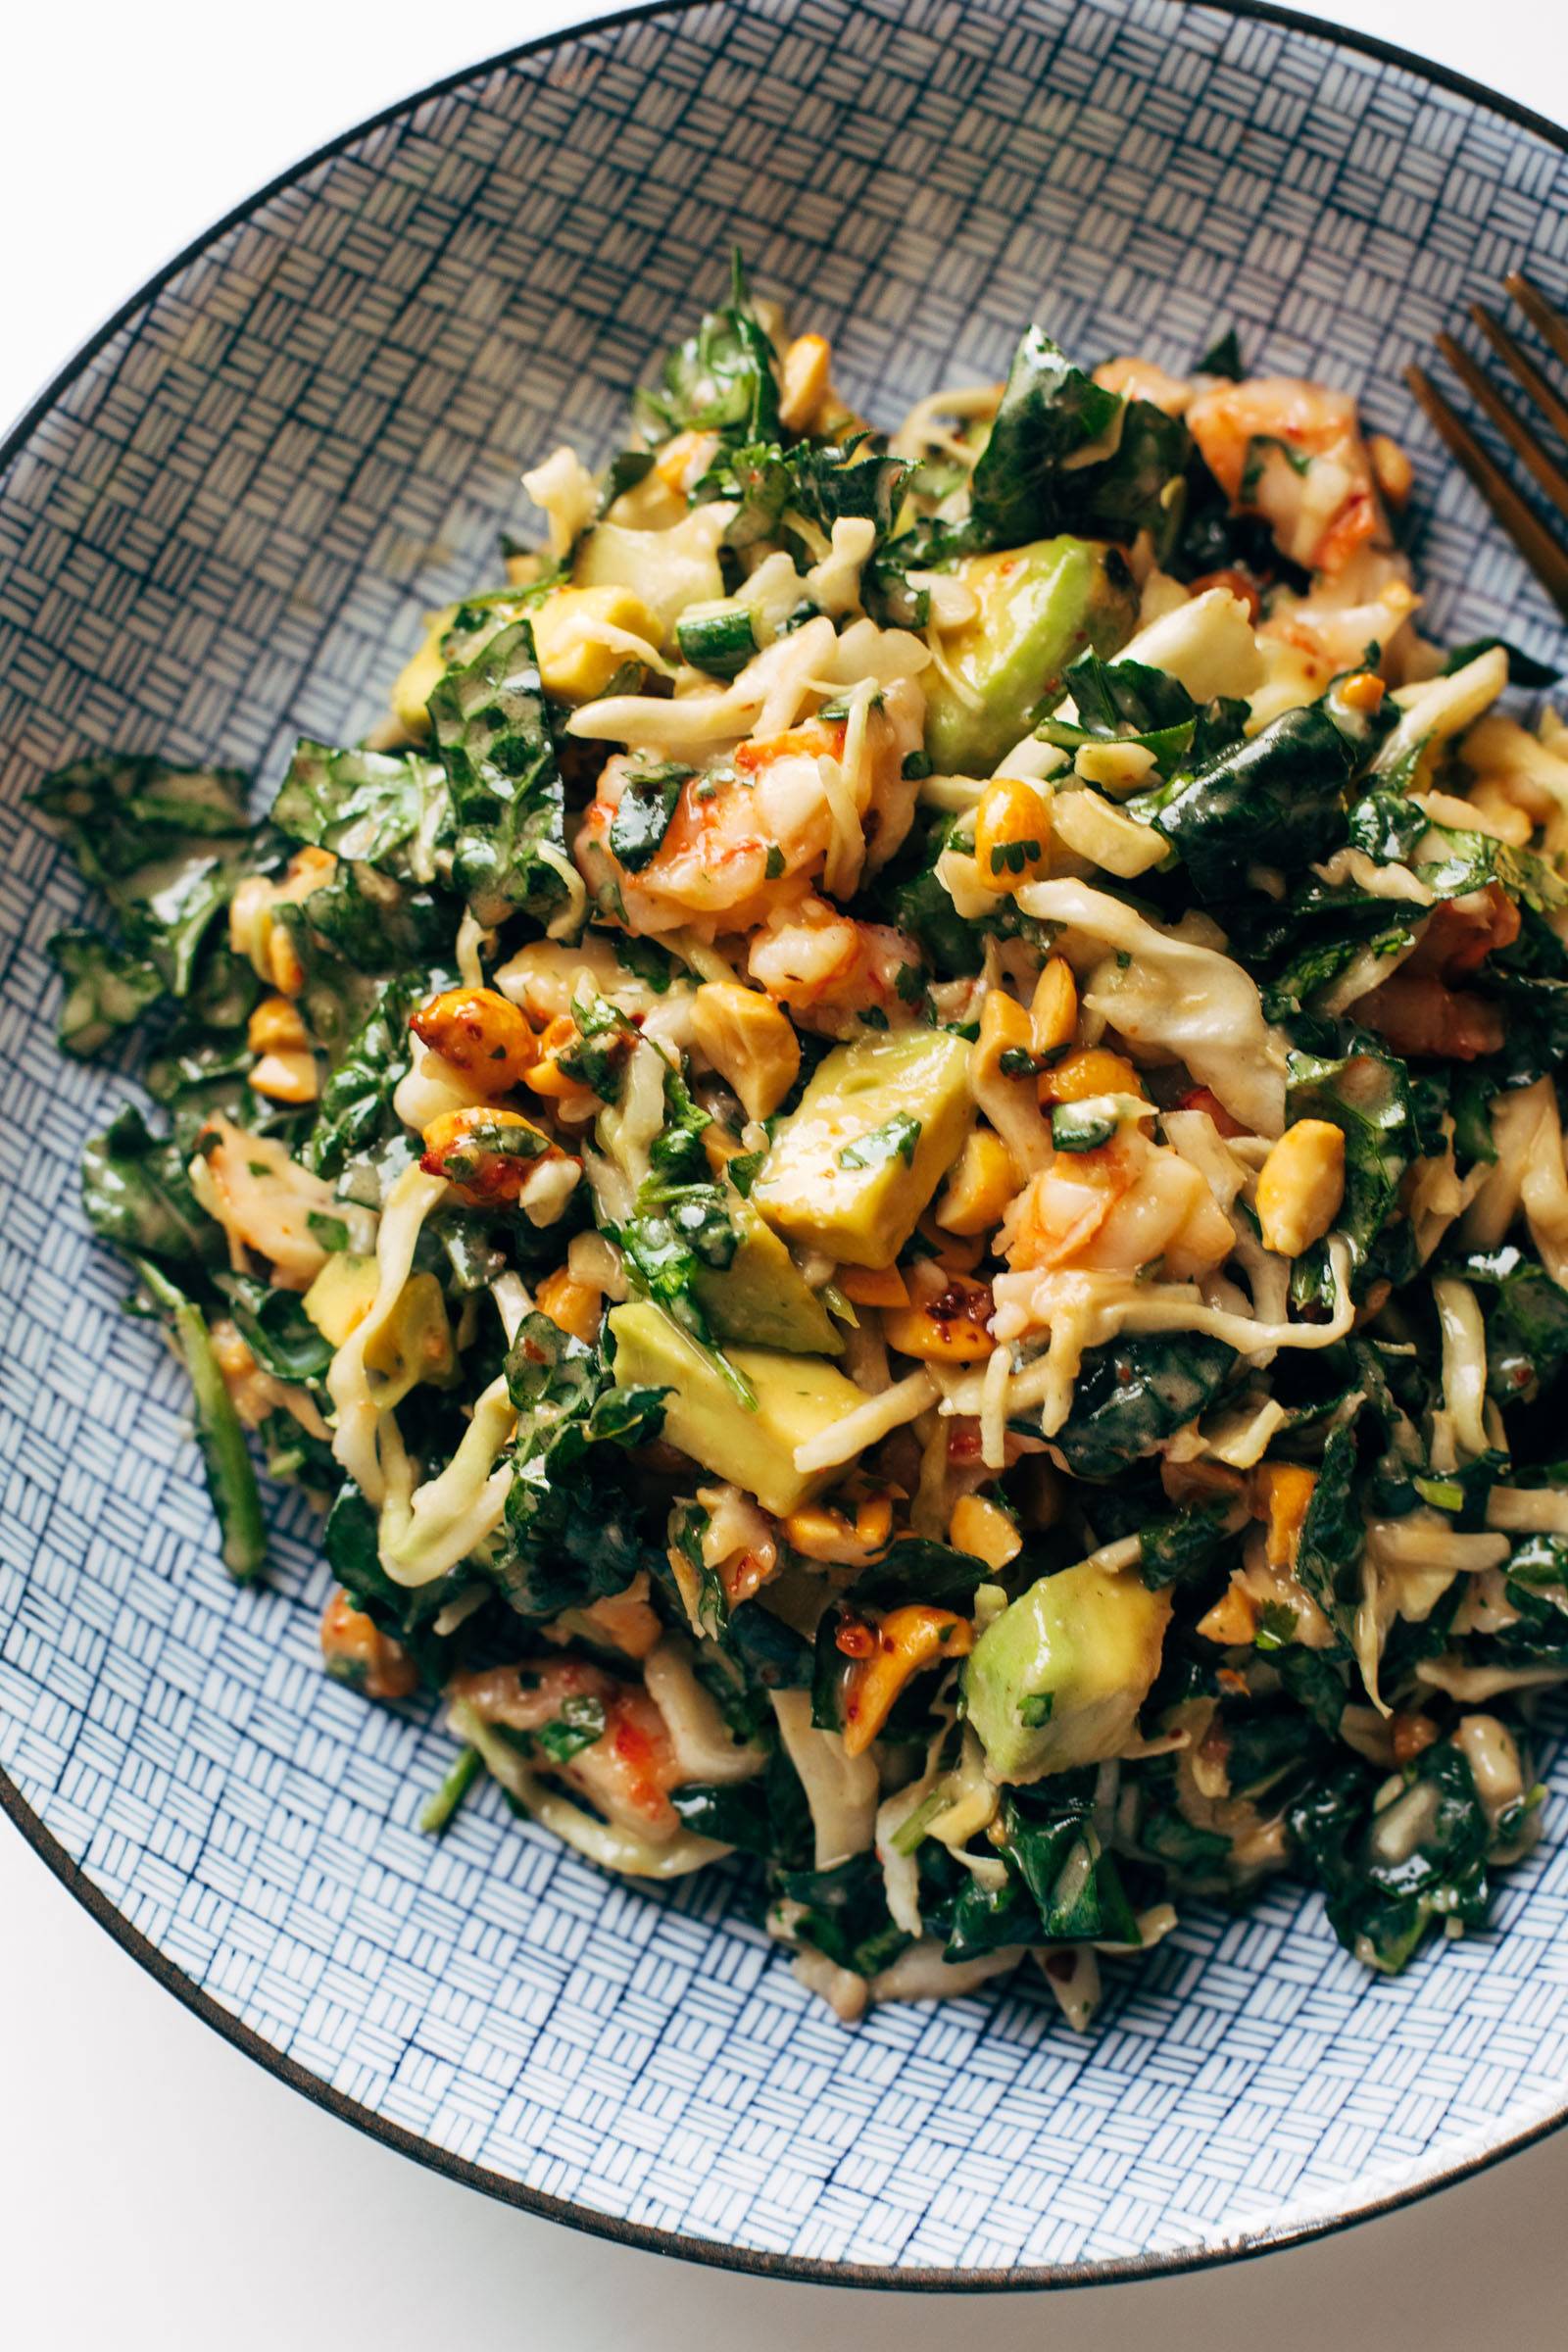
x,y
1419,1009
626,1771
1463,932
356,1651
748,837
1292,453
743,839
1116,1210
1420,1016
831,971
1306,640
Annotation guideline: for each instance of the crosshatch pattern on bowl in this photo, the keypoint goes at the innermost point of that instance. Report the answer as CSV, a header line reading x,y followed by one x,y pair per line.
x,y
222,533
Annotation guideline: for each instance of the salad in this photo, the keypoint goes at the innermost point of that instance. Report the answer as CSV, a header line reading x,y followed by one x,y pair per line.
x,y
894,1155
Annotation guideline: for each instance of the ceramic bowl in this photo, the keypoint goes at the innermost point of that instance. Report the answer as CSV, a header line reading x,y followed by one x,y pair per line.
x,y
218,529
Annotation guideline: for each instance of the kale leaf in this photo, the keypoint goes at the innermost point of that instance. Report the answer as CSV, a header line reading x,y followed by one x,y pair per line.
x,y
1527,1320
351,1541
1328,1557
643,812
1062,1885
137,1194
107,988
1392,828
164,845
390,809
220,1433
374,923
354,1111
576,1526
1133,1391
1365,1092
1523,669
675,1233
1274,800
1022,488
722,379
844,1913
1381,1907
1125,702
1223,357
1299,946
275,1328
924,910
493,734
821,482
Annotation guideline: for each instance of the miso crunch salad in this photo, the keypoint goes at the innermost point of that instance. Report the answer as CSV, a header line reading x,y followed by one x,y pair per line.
x,y
895,1155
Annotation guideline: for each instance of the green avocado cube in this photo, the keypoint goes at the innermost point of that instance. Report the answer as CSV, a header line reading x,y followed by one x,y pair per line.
x,y
1039,606
1056,1679
761,1299
880,1123
798,1396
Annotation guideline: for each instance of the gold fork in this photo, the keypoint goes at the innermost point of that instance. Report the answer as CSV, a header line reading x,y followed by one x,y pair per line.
x,y
1536,543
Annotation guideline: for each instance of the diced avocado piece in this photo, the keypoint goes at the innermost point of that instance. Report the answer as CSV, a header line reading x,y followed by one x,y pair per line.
x,y
668,569
1056,1679
798,1396
413,1344
760,1299
342,1295
877,1130
1041,606
576,664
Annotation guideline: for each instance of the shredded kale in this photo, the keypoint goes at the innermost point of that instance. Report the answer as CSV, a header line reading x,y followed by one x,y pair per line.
x,y
1380,1908
107,988
1363,1090
1527,1321
275,1328
723,379
137,1194
1051,411
492,731
576,1526
165,846
355,1113
389,809
1132,1392
1274,800
1328,1558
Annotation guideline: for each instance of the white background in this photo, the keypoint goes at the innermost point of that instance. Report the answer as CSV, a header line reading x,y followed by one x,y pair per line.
x,y
156,2188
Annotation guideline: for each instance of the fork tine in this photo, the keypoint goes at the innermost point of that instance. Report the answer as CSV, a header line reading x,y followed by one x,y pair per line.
x,y
1547,322
1524,369
1520,439
1534,543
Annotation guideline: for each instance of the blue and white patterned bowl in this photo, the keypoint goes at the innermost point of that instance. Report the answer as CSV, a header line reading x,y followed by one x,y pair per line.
x,y
218,529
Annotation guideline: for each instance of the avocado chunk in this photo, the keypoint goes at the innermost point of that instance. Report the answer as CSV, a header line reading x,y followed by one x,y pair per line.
x,y
760,1299
1056,1679
877,1130
1039,606
342,1295
798,1396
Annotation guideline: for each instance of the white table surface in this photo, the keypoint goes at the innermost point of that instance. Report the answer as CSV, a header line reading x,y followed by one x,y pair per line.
x,y
157,2188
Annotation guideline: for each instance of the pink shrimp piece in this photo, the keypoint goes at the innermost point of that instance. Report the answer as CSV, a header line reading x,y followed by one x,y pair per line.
x,y
627,1772
1291,452
829,971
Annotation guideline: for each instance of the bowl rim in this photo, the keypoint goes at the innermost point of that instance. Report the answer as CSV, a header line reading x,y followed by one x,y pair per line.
x,y
645,2238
